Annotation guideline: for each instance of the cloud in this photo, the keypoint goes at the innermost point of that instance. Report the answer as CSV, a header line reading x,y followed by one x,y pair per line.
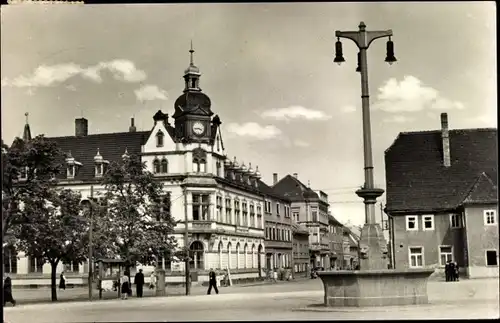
x,y
348,109
487,119
295,112
254,130
49,75
409,95
301,143
150,92
398,119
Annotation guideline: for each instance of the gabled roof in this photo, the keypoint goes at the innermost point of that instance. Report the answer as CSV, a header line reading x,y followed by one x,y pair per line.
x,y
293,189
333,220
417,180
269,191
111,147
483,191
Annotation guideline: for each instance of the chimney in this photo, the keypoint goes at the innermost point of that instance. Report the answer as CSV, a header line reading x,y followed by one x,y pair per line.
x,y
296,175
275,178
445,137
132,126
81,127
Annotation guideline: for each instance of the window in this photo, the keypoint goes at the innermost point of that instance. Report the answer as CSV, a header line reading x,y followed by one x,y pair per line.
x,y
455,221
445,255
159,139
156,166
99,169
218,168
314,215
201,205
491,258
219,208
416,257
228,210
10,260
245,213
411,223
164,261
70,172
196,254
35,265
277,208
295,216
237,212
259,216
490,217
287,211
267,233
428,222
164,166
252,216
267,208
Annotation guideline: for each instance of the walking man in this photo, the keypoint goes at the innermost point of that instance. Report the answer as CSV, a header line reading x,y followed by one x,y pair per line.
x,y
7,292
212,282
447,271
139,283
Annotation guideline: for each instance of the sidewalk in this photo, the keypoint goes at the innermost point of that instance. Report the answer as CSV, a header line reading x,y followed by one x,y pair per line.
x,y
43,295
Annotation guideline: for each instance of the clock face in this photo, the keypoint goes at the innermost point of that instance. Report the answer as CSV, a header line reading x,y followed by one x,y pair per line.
x,y
198,128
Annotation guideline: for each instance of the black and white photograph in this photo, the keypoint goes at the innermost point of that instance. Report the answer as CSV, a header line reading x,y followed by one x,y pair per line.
x,y
249,161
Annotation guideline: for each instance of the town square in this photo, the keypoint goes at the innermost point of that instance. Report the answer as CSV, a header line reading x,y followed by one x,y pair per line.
x,y
281,161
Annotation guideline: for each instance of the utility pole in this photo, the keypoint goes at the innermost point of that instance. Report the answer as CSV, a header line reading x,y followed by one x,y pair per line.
x,y
186,237
91,251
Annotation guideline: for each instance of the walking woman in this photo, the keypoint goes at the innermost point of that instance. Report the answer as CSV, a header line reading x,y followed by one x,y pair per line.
x,y
7,292
62,281
124,286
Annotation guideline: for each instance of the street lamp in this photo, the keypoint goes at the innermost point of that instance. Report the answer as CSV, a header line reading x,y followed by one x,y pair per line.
x,y
371,241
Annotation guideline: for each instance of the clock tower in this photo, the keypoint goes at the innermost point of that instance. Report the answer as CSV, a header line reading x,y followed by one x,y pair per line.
x,y
193,114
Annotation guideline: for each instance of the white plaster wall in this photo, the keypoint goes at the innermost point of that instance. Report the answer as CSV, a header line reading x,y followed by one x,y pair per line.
x,y
168,144
483,272
176,163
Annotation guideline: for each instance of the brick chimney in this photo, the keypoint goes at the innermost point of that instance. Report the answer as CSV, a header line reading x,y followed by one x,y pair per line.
x,y
275,178
296,175
132,127
81,127
445,138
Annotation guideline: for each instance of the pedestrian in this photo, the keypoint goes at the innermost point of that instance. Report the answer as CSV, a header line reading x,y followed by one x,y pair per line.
x,y
452,271
62,281
212,282
127,273
124,281
139,283
7,292
275,276
152,280
447,270
456,271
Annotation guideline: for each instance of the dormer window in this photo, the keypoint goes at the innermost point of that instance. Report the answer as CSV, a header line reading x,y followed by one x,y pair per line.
x,y
159,139
99,164
99,170
71,170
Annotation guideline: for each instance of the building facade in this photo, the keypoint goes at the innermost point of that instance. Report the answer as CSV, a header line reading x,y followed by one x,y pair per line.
x,y
442,199
220,202
278,230
310,209
301,257
336,237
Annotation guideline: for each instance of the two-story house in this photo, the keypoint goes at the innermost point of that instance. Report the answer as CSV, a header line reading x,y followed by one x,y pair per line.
x,y
278,230
442,199
350,246
218,201
310,209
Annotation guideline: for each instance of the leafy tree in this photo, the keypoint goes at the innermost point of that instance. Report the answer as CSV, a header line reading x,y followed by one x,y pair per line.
x,y
56,229
137,217
27,169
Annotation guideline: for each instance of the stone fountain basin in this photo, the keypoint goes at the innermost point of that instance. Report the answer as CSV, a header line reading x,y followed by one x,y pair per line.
x,y
386,287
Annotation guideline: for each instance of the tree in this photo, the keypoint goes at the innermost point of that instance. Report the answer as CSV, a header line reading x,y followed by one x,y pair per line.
x,y
137,216
56,228
28,168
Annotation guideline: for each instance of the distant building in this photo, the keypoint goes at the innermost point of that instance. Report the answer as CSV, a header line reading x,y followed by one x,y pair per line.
x,y
350,249
301,257
336,237
442,199
278,230
309,208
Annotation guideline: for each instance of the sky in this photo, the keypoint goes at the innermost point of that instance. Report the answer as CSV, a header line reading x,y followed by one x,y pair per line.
x,y
269,71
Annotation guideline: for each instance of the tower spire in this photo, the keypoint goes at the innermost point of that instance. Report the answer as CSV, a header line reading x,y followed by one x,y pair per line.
x,y
27,130
191,52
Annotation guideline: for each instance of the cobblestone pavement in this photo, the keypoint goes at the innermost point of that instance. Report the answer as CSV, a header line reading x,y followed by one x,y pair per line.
x,y
299,300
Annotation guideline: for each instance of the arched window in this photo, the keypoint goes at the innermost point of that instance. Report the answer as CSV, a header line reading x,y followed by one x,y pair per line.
x,y
156,166
220,254
238,255
159,139
229,260
245,252
164,166
199,165
196,253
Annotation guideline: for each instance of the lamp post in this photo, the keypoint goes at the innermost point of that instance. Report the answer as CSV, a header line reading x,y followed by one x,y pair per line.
x,y
372,242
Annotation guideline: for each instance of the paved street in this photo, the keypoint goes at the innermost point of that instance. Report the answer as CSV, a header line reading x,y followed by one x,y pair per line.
x,y
286,301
